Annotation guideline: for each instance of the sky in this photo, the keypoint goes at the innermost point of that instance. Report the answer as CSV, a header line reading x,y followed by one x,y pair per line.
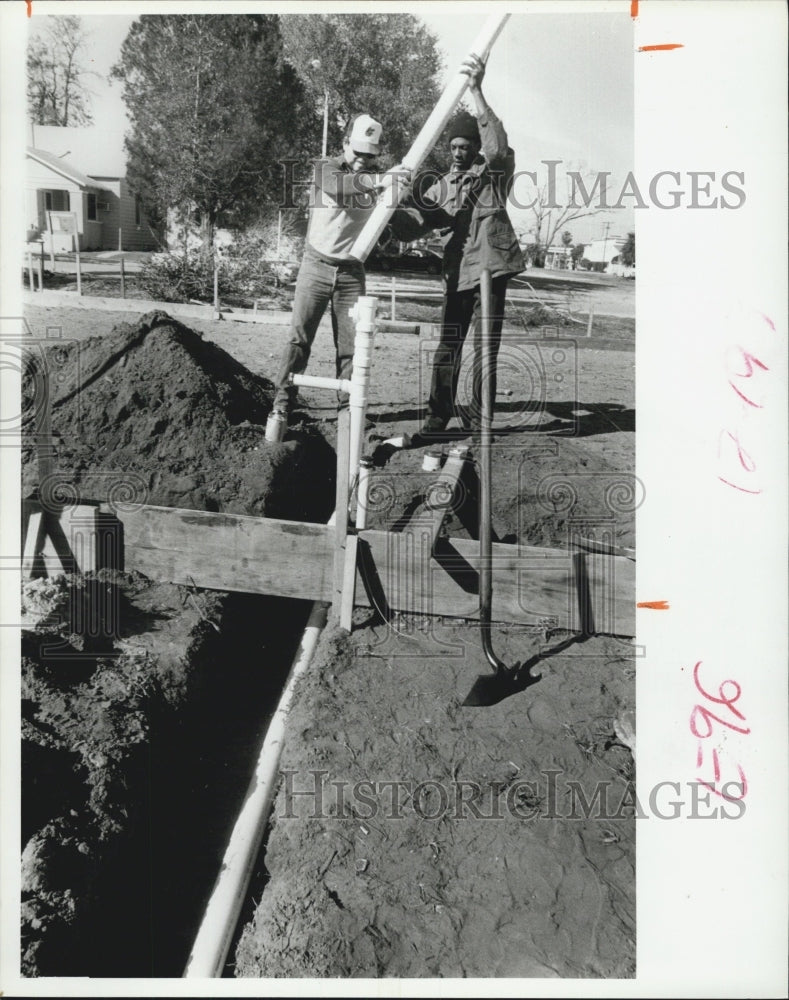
x,y
562,83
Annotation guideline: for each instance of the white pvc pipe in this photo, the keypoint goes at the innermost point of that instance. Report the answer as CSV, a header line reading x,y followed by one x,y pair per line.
x,y
209,951
322,382
424,142
364,315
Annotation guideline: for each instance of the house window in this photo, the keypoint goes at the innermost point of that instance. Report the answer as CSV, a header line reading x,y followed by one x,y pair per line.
x,y
56,201
137,210
92,214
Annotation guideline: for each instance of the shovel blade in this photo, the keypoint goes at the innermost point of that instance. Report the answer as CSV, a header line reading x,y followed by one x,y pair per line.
x,y
490,689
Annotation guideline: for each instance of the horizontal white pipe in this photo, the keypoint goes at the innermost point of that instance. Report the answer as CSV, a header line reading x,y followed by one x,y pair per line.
x,y
424,142
321,382
209,951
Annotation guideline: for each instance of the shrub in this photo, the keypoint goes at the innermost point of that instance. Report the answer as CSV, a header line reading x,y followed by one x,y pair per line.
x,y
249,267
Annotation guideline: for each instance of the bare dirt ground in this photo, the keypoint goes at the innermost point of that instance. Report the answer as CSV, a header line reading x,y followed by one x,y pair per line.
x,y
493,860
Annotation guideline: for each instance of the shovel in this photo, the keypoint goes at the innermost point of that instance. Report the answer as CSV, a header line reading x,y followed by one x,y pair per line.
x,y
488,689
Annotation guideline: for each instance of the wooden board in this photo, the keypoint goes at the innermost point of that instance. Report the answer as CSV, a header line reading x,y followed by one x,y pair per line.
x,y
230,552
397,573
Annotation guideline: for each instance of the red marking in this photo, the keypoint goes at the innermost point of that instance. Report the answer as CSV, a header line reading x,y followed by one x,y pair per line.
x,y
744,458
767,320
730,798
702,714
736,487
721,699
742,396
707,716
654,605
666,47
29,7
634,8
748,366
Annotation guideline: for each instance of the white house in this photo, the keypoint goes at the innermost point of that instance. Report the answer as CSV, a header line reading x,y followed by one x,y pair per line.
x,y
605,251
559,258
81,172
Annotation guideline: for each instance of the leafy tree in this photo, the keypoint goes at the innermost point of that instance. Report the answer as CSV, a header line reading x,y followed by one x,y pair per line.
x,y
214,108
577,253
57,93
385,65
567,238
627,255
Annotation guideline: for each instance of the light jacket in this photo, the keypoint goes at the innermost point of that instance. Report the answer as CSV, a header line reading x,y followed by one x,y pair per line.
x,y
339,208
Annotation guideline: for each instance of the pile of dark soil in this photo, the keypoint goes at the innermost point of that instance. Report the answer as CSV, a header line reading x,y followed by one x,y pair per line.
x,y
142,703
152,413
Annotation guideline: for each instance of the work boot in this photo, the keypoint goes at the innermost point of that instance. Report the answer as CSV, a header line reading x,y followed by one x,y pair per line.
x,y
432,430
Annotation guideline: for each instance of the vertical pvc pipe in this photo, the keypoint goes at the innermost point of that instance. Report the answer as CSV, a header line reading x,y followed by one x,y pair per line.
x,y
364,315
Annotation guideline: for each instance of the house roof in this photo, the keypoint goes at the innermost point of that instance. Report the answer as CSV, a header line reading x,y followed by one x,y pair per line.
x,y
60,165
93,151
603,251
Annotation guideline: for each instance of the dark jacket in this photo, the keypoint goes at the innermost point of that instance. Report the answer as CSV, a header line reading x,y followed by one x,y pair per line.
x,y
471,209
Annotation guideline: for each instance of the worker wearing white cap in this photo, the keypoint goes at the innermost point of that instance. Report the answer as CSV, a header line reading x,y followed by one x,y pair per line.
x,y
342,196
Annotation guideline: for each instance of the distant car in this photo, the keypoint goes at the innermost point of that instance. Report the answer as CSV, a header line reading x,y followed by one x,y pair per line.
x,y
412,259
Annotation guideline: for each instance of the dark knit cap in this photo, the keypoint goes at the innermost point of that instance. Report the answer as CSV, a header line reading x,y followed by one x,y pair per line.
x,y
464,126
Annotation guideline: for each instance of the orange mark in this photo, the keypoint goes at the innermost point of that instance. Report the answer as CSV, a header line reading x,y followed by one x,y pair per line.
x,y
29,7
666,47
653,605
634,8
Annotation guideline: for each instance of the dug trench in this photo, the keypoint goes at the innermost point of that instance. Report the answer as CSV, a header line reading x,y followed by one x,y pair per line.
x,y
521,880
144,703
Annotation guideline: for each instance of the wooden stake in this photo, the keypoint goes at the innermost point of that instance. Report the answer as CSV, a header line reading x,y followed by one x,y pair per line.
x,y
79,266
51,242
341,507
590,320
123,280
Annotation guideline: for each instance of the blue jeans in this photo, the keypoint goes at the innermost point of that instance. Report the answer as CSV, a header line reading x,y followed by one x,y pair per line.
x,y
320,284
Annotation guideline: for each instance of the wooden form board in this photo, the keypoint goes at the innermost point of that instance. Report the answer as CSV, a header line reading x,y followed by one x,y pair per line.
x,y
402,571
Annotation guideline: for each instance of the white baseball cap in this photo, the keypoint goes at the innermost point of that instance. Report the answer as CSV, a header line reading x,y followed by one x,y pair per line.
x,y
365,136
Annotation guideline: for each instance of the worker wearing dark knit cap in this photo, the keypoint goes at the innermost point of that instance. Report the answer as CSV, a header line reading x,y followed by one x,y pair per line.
x,y
469,206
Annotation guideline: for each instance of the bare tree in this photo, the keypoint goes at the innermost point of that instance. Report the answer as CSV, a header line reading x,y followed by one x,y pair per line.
x,y
550,218
57,93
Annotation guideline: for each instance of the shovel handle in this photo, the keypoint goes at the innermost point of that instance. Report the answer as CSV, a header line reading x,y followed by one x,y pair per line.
x,y
485,504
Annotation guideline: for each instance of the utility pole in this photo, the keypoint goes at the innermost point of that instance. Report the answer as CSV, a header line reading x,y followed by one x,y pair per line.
x,y
605,244
317,65
325,120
